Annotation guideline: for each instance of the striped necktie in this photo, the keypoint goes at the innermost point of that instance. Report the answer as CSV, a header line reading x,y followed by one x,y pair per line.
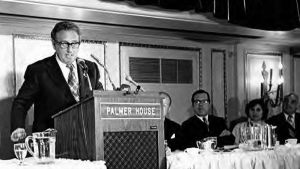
x,y
206,122
291,120
72,82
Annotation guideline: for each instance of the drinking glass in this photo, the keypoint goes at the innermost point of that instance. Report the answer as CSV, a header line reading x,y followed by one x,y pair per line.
x,y
208,143
20,152
213,140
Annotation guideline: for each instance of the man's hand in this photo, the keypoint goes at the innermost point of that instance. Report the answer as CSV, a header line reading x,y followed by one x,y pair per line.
x,y
18,134
225,133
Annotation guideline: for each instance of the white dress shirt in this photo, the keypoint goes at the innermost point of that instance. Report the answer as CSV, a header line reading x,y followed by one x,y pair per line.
x,y
201,118
65,70
286,116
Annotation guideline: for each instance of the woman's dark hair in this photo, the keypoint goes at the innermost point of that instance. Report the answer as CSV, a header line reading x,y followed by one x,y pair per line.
x,y
64,25
199,92
262,104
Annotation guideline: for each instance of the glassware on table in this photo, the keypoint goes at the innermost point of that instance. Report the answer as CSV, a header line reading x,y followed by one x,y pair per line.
x,y
43,146
20,152
258,137
208,143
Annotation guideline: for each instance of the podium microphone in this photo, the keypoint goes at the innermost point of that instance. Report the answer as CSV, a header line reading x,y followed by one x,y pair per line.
x,y
84,67
129,79
105,69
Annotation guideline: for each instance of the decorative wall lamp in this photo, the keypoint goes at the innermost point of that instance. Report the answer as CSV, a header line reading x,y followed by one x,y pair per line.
x,y
266,87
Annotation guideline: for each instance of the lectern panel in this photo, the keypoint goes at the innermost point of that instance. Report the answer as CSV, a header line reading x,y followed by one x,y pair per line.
x,y
132,149
124,130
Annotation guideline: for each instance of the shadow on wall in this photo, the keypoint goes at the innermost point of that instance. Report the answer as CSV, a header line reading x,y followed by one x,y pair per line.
x,y
6,146
233,108
236,113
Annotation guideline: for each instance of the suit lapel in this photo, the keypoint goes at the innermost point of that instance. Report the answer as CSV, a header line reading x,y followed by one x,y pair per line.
x,y
83,84
56,75
80,81
202,124
289,125
290,129
297,120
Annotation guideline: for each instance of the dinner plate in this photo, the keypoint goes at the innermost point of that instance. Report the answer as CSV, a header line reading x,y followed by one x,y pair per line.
x,y
199,151
246,147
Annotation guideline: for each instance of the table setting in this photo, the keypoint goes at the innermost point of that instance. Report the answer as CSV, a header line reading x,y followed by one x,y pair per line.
x,y
60,163
41,147
281,157
260,150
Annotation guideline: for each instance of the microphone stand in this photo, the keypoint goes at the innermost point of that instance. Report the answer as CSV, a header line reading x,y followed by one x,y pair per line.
x,y
123,86
138,87
105,69
85,72
88,79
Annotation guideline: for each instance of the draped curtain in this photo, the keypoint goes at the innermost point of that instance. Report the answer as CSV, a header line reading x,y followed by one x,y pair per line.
x,y
258,14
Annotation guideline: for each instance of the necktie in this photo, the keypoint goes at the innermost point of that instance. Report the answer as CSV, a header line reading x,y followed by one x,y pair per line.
x,y
291,130
291,121
206,122
72,82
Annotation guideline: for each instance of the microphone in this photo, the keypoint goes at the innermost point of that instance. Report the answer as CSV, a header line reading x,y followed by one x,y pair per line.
x,y
82,64
84,67
105,69
129,79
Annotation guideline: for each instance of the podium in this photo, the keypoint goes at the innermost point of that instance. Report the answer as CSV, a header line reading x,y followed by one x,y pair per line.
x,y
124,130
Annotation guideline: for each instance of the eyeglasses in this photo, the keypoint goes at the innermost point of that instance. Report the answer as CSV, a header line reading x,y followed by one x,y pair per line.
x,y
201,101
65,45
257,109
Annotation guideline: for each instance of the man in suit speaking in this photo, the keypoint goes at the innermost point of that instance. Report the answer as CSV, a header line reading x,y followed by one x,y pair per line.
x,y
54,83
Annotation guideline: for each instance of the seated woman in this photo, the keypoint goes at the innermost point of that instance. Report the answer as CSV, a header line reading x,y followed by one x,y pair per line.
x,y
257,113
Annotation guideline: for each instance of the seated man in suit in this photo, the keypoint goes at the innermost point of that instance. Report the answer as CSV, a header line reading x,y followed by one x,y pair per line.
x,y
287,122
54,83
171,127
202,125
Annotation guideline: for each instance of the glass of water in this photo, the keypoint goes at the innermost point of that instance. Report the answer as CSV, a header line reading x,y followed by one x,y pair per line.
x,y
20,152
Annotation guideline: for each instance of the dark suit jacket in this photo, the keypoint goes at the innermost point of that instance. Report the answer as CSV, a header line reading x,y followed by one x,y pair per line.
x,y
283,127
46,88
194,129
171,128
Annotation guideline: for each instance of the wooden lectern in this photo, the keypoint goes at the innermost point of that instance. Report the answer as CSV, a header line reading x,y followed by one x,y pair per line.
x,y
125,130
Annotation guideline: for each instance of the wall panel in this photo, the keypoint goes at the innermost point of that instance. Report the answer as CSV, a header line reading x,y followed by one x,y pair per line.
x,y
180,93
218,78
7,89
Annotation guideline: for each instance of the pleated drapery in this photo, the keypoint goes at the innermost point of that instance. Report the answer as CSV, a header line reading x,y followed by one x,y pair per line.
x,y
258,14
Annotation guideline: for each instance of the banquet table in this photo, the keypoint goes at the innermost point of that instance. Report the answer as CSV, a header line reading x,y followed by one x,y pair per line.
x,y
281,157
30,163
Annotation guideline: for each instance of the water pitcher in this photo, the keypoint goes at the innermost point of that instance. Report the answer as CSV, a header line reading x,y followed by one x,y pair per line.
x,y
43,145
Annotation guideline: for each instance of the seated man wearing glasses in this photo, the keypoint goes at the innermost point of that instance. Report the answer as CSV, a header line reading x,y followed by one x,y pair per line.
x,y
54,83
202,125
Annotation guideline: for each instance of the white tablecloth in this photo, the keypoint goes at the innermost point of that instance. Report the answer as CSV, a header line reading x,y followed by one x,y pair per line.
x,y
282,157
29,163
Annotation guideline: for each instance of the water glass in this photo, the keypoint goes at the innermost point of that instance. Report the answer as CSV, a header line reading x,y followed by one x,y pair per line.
x,y
20,152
